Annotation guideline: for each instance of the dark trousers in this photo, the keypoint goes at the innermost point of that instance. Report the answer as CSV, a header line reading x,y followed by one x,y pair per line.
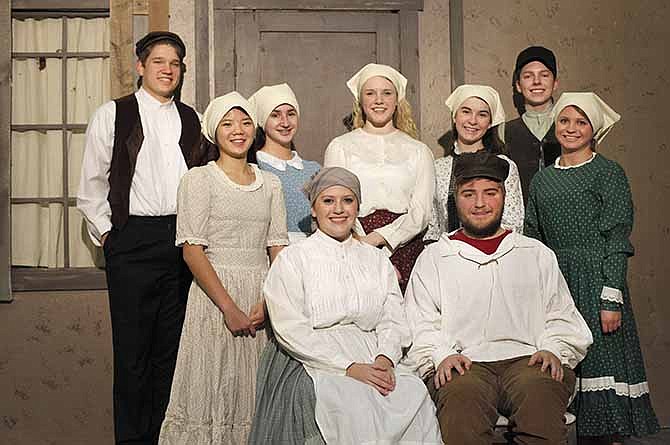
x,y
468,406
148,285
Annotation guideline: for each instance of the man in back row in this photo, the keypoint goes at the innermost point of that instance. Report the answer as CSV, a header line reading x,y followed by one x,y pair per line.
x,y
137,149
494,326
530,138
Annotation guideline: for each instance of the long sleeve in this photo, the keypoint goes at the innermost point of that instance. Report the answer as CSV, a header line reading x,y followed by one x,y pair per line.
x,y
513,213
424,312
409,225
393,330
277,231
566,334
285,299
94,182
193,208
615,225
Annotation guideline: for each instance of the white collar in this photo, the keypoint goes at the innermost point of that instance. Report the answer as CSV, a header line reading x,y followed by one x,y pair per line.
x,y
151,102
567,167
330,241
280,164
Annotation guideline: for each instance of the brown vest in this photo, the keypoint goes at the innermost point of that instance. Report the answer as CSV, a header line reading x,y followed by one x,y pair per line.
x,y
528,153
128,137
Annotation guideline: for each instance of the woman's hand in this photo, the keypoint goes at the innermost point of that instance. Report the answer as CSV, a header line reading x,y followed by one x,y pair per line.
x,y
374,239
237,322
376,375
257,315
610,321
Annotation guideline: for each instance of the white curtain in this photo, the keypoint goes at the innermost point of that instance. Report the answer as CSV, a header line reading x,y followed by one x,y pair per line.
x,y
37,156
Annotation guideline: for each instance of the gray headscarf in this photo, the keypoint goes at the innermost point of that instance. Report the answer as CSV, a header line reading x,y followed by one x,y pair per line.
x,y
330,176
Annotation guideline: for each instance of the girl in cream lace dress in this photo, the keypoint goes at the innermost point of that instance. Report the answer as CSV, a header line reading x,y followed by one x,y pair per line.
x,y
230,216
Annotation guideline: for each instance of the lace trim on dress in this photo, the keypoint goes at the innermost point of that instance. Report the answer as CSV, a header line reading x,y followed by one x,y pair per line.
x,y
568,167
611,294
608,383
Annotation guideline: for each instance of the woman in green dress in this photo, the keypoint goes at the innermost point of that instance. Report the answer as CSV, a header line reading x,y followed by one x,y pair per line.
x,y
581,207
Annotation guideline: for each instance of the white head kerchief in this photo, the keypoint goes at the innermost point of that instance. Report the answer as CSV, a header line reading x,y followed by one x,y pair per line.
x,y
270,97
374,69
601,116
218,108
485,93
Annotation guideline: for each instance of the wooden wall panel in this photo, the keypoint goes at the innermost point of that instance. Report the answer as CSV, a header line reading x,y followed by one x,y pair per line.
x,y
5,151
122,57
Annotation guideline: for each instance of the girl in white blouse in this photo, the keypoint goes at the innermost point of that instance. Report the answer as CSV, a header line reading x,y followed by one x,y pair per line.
x,y
476,112
395,169
335,306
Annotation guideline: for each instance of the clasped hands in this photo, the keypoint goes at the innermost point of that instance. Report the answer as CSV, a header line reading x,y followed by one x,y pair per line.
x,y
460,363
242,325
379,374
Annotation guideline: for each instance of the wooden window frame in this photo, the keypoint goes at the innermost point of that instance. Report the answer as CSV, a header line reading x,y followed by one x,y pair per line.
x,y
34,278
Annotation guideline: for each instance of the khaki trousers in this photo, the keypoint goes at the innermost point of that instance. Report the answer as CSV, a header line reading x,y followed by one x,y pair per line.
x,y
535,404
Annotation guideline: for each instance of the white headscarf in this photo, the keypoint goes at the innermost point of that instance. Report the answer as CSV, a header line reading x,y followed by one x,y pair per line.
x,y
270,97
218,108
355,84
601,116
483,92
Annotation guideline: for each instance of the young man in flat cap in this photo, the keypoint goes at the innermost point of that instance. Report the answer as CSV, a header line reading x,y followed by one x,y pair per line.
x,y
530,138
137,149
494,327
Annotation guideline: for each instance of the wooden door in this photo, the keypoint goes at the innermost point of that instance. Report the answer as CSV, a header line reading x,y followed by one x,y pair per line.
x,y
314,51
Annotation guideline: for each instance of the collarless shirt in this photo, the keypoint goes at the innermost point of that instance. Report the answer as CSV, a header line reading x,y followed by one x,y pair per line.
x,y
511,303
159,168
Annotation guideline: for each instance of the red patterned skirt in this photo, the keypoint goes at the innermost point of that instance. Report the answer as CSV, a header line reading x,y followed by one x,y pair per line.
x,y
404,257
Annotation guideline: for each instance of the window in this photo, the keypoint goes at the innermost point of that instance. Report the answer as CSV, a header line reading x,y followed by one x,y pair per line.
x,y
60,75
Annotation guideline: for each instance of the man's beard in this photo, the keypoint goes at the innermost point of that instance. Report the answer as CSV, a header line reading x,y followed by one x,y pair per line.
x,y
481,232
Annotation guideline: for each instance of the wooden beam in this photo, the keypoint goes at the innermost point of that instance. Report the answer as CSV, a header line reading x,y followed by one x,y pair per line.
x,y
159,15
381,5
409,60
5,149
456,43
201,58
122,58
60,4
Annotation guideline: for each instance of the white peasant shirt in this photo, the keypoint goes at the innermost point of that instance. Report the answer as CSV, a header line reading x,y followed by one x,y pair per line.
x,y
396,173
509,304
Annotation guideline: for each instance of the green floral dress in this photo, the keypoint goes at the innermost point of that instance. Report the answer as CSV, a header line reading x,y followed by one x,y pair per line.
x,y
584,214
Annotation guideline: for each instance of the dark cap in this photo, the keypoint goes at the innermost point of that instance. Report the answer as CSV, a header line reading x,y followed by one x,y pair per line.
x,y
159,36
480,164
533,54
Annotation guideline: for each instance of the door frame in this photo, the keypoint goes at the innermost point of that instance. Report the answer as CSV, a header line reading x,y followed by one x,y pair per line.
x,y
223,19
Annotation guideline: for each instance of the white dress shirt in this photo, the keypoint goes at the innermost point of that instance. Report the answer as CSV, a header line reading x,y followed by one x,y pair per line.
x,y
509,304
396,174
159,168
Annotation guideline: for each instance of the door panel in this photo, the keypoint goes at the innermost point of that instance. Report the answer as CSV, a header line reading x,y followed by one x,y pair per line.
x,y
315,52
